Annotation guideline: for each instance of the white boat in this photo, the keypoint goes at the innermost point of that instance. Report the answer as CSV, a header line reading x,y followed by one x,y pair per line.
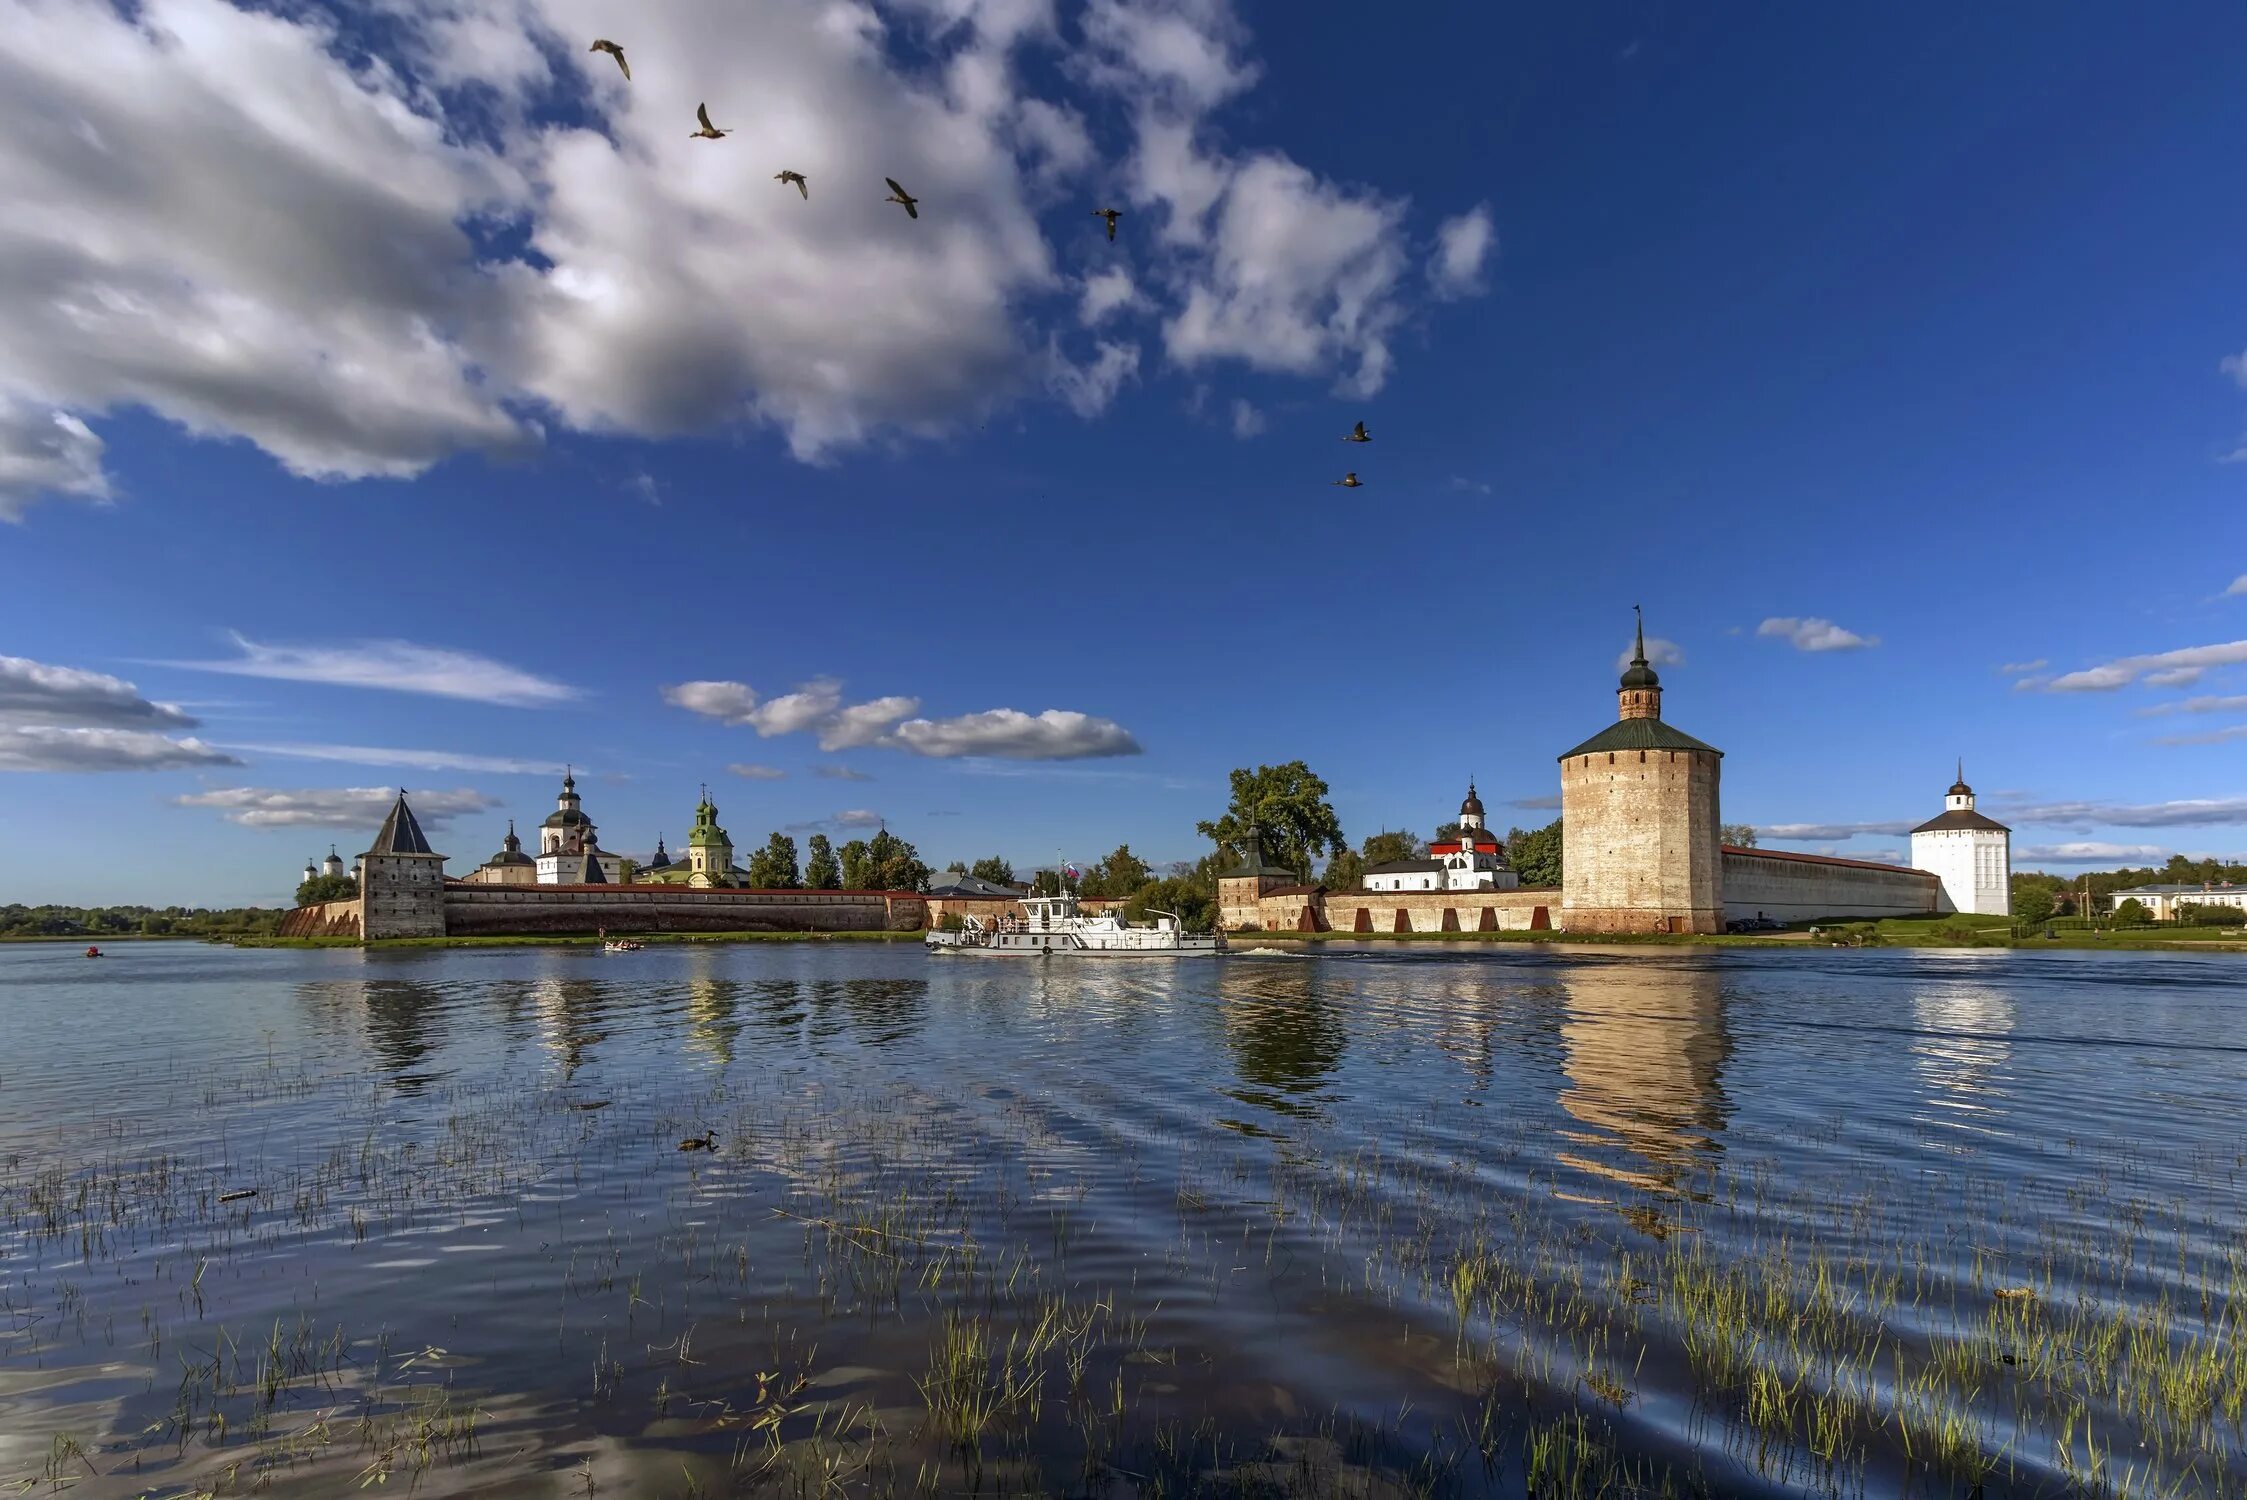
x,y
1055,926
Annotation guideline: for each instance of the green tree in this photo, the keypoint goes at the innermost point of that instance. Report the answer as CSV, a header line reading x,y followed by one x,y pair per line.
x,y
1385,848
822,872
1739,835
773,868
1053,883
1190,896
1285,809
1534,855
326,888
1344,872
884,862
994,869
2034,905
1117,877
2131,913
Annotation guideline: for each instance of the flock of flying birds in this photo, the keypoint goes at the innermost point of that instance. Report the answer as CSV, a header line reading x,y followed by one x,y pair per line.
x,y
797,180
906,201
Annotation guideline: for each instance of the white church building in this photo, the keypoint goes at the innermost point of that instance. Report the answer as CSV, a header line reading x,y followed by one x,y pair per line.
x,y
1474,861
1971,853
569,848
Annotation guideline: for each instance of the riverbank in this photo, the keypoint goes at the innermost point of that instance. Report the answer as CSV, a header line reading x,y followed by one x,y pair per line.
x,y
578,940
1887,933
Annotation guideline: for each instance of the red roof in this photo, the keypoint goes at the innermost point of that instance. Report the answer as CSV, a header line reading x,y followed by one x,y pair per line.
x,y
1828,859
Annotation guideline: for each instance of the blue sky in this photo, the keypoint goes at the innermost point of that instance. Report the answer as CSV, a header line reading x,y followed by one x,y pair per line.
x,y
1912,325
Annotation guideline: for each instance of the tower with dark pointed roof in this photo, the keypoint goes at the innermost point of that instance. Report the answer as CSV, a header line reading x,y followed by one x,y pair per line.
x,y
401,880
1640,850
1971,853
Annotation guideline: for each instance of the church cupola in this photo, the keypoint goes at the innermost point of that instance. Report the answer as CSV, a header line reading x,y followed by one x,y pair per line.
x,y
511,844
1960,798
1470,811
333,864
1640,696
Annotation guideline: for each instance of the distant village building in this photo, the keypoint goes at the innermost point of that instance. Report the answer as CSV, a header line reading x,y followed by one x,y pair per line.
x,y
1971,854
2162,901
569,851
1474,861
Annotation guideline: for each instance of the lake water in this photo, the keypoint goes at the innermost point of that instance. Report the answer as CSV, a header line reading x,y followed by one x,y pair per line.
x,y
1412,1221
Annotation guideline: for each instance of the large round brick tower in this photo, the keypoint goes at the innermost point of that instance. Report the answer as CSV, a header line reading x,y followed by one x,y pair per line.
x,y
1639,821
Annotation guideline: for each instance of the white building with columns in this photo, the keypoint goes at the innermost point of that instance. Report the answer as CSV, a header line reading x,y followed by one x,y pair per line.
x,y
1473,861
1971,854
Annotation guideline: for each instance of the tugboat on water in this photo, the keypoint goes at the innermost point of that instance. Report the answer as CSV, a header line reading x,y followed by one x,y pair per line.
x,y
1055,926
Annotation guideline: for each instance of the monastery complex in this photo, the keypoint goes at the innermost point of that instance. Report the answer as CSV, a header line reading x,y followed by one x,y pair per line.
x,y
1642,852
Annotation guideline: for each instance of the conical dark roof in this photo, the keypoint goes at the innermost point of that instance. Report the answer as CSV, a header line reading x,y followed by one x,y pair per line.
x,y
401,833
593,875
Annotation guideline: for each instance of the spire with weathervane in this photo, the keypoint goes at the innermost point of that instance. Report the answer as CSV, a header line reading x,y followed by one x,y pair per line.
x,y
1640,696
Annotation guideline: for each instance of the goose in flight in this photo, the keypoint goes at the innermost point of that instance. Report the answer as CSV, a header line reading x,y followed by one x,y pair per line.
x,y
902,199
1358,434
1350,481
708,132
613,50
797,178
1111,215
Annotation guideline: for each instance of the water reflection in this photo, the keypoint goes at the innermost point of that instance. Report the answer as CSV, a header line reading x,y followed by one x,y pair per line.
x,y
1644,1047
1961,1056
1285,1036
402,1027
571,1017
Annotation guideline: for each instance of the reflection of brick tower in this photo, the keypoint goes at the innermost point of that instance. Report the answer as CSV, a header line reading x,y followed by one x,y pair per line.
x,y
402,881
1638,804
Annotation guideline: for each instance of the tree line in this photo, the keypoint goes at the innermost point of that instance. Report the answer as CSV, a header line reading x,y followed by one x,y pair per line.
x,y
20,921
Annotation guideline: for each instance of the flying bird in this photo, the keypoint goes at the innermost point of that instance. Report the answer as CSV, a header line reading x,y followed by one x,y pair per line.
x,y
902,199
1111,215
1358,434
798,179
1350,481
613,50
708,132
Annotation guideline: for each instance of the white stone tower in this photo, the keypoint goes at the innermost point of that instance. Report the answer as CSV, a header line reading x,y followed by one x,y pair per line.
x,y
1971,853
1639,821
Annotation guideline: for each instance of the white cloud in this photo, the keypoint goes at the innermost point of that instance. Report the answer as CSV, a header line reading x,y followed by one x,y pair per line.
x,y
1300,276
1010,734
1659,653
792,713
817,706
756,773
2179,668
1471,486
1790,833
731,702
1548,803
1462,245
2238,587
37,693
333,807
2182,813
364,249
51,747
2092,852
1814,634
46,452
2222,736
417,760
840,773
393,666
866,723
1089,388
2018,668
1106,292
1248,422
2227,703
858,817
2234,365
